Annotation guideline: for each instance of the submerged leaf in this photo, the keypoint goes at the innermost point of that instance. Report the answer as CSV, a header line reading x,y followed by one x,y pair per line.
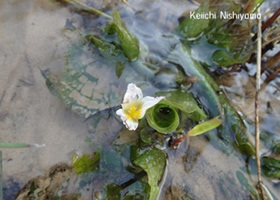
x,y
129,43
86,163
221,56
153,161
103,45
119,69
113,192
233,131
193,27
163,117
231,36
247,186
271,167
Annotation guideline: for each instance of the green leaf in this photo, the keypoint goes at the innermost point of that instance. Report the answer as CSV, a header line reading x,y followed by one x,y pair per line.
x,y
153,161
119,69
113,192
200,129
271,162
81,85
271,167
129,43
193,27
276,147
103,45
246,184
205,126
147,136
246,148
86,163
271,173
233,132
221,32
181,99
163,118
223,58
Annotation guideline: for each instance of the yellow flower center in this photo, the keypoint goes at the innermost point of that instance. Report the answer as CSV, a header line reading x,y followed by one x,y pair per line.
x,y
133,111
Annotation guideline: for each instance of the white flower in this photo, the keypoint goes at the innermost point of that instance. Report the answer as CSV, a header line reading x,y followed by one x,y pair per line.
x,y
134,106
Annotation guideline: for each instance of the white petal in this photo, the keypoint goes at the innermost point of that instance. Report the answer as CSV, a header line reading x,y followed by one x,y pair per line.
x,y
120,112
149,102
132,92
131,125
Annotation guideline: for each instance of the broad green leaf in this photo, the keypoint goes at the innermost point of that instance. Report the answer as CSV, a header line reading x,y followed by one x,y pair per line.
x,y
153,161
181,99
86,163
193,27
205,126
129,43
163,118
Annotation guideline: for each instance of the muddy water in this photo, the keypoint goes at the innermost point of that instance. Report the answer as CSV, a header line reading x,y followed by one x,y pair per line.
x,y
33,38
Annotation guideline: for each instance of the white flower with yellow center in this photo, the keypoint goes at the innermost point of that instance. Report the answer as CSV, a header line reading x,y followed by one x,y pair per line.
x,y
134,106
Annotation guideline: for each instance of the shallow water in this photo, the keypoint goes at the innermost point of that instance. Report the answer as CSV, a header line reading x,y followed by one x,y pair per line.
x,y
35,35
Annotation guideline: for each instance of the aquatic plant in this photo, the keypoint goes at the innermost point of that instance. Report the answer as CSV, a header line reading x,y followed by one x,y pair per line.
x,y
125,59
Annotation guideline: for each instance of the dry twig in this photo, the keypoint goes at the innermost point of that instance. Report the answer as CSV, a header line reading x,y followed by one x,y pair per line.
x,y
257,105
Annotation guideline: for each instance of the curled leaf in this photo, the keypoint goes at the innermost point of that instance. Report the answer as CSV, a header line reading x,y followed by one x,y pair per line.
x,y
163,117
183,100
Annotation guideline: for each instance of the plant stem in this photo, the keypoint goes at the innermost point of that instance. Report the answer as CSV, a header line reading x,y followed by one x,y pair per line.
x,y
179,140
87,8
18,145
257,105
